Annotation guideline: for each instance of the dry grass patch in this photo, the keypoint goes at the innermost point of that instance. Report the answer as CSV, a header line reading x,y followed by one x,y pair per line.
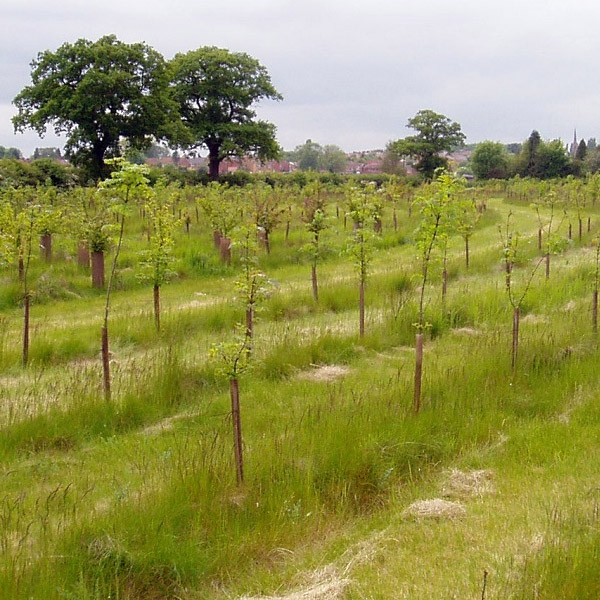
x,y
466,484
325,373
436,508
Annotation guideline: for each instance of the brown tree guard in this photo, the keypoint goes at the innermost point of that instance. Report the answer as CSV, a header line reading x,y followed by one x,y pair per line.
x,y
395,221
26,302
515,336
570,231
46,246
467,252
580,228
21,268
225,249
97,269
83,255
540,238
197,215
589,224
362,309
156,291
595,311
105,364
418,372
217,239
315,283
547,265
234,391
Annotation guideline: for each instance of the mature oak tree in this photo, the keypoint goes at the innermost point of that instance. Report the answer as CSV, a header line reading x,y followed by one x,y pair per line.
x,y
436,133
97,93
214,90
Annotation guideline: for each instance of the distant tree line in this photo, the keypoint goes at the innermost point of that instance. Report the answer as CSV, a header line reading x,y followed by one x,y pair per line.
x,y
535,158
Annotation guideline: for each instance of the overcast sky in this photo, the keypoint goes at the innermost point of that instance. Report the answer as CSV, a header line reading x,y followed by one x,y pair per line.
x,y
352,73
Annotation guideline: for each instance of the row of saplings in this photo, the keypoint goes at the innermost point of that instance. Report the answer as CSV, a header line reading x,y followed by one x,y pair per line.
x,y
444,209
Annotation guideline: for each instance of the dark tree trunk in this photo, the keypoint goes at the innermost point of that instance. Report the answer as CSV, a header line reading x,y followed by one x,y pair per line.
x,y
539,239
570,231
234,392
213,164
21,268
26,303
395,221
548,265
287,230
515,336
46,246
83,255
98,269
315,283
156,291
589,224
418,372
105,364
580,228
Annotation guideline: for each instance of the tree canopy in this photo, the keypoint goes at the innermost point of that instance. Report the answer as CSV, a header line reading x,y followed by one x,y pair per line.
x,y
215,90
311,156
490,160
97,93
436,133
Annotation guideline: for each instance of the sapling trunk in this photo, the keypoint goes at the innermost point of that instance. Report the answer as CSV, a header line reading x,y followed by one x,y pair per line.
x,y
315,283
595,311
580,228
515,336
540,238
589,224
156,291
105,364
249,323
444,284
570,231
418,372
21,268
362,309
287,230
467,252
26,303
547,265
234,392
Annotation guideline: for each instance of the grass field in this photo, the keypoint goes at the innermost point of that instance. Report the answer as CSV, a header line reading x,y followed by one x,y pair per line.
x,y
491,491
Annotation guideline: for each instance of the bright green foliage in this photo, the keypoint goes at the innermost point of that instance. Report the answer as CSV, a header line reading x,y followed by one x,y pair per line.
x,y
96,93
222,206
156,262
215,91
363,210
437,206
7,232
232,357
314,217
252,287
436,133
490,160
